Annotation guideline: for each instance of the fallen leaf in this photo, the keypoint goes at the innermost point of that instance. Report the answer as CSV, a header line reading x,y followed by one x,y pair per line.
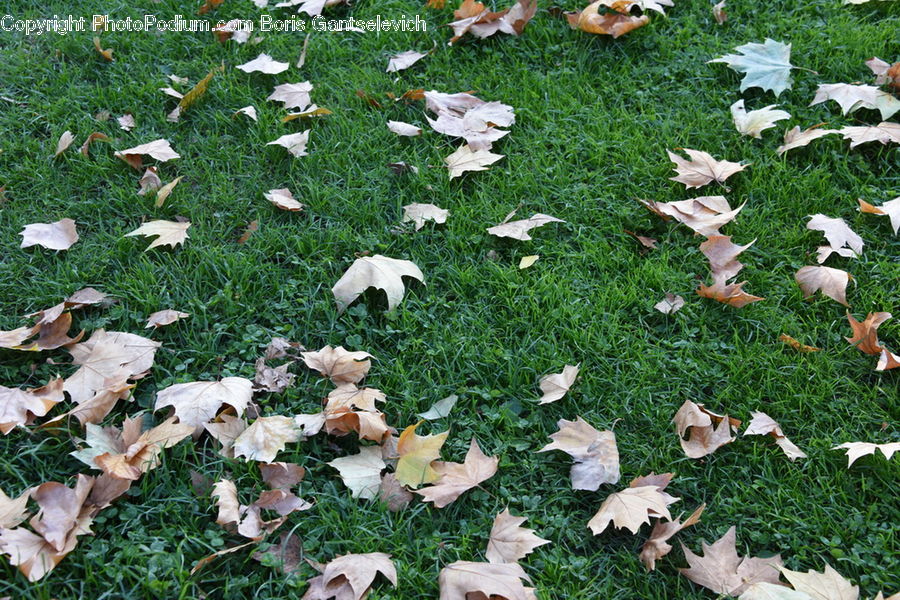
x,y
891,208
150,181
94,136
702,169
165,191
463,115
556,385
596,457
853,97
439,409
399,168
65,140
226,429
855,450
268,379
887,361
265,437
126,121
704,214
796,345
354,571
419,213
611,23
107,54
353,409
283,199
670,304
865,334
794,138
379,272
465,580
831,282
194,94
719,15
159,150
264,64
361,473
198,402
708,431
509,541
60,235
722,255
724,572
766,66
392,493
294,142
518,230
281,475
21,407
293,95
464,159
630,508
286,555
404,60
763,424
454,478
657,545
106,361
885,132
168,233
473,17
14,510
416,455
250,111
404,129
342,366
753,123
528,261
165,317
840,237
828,585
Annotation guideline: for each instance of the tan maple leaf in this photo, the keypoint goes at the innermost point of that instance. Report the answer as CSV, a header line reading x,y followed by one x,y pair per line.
x,y
831,282
404,60
669,304
885,132
753,123
865,334
855,450
474,18
827,585
264,64
464,116
724,572
702,168
509,541
106,361
361,473
377,271
596,457
891,209
293,95
657,545
295,143
722,255
265,438
283,199
612,23
158,149
353,409
841,239
21,407
165,317
763,424
416,455
393,494
708,431
150,181
555,385
464,159
168,233
465,580
419,213
60,235
454,478
197,403
350,577
519,230
247,520
342,366
281,475
14,510
630,508
704,214
65,140
250,111
795,138
853,97
126,121
226,428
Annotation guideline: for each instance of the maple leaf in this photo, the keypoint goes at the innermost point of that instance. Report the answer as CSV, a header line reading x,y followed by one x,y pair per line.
x,y
474,18
796,345
439,409
60,235
361,473
853,97
294,142
281,475
157,149
882,71
841,238
887,361
464,116
265,438
724,572
419,213
704,214
613,23
149,182
657,545
753,123
464,159
393,494
105,362
247,520
264,64
377,271
455,478
630,508
518,230
702,169
856,450
349,577
250,111
14,510
831,282
404,129
404,60
794,138
293,95
885,132
595,453
827,585
226,429
509,541
65,140
126,121
722,254
21,407
891,208
165,317
168,233
352,409
763,424
465,580
275,380
417,453
198,402
670,304
766,66
283,199
708,431
865,334
556,385
342,366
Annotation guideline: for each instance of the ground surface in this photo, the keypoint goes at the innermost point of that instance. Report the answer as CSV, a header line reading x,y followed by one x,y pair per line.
x,y
594,117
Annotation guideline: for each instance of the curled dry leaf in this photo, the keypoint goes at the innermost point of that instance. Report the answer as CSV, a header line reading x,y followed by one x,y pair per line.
x,y
473,17
556,385
518,230
763,424
702,168
465,580
509,541
724,572
528,261
14,510
841,239
794,138
464,159
283,199
404,60
106,54
416,455
379,272
670,304
60,235
464,116
264,64
342,366
21,407
419,213
165,191
126,121
352,409
657,545
454,478
85,147
65,140
158,149
704,214
439,409
268,379
168,233
855,450
350,577
885,132
767,65
753,123
197,403
828,585
106,361
265,438
361,473
596,457
165,317
250,111
294,142
226,429
853,97
719,13
796,345
865,334
404,129
631,508
194,94
612,23
722,255
293,95
831,282
891,208
887,361
150,181
708,431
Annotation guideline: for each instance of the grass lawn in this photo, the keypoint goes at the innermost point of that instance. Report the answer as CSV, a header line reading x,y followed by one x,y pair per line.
x,y
594,117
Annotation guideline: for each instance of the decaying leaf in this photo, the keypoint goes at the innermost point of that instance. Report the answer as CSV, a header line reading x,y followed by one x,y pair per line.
x,y
853,97
704,214
158,149
719,13
865,334
60,235
419,213
85,147
14,510
197,403
353,409
106,361
722,255
891,208
416,455
465,580
283,199
247,520
281,475
796,345
555,385
463,115
885,132
439,409
404,129
856,450
265,437
657,545
294,142
404,60
766,66
887,361
165,317
455,478
831,282
361,473
379,272
473,17
702,168
519,230
596,457
724,572
194,94
509,541
841,239
708,431
631,508
350,577
753,123
464,159
615,23
165,191
393,494
670,304
828,585
226,428
249,111
264,64
150,181
168,233
763,424
21,407
342,366
272,379
794,138
106,54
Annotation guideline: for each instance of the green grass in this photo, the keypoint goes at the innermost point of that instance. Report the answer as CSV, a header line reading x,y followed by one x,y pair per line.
x,y
594,117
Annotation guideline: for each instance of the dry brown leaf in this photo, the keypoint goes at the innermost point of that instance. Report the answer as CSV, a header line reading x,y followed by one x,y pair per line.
x,y
393,494
657,545
704,214
885,132
165,191
94,136
283,199
794,138
509,541
455,478
891,208
796,345
611,23
226,429
168,233
631,508
828,585
249,111
416,455
247,520
856,450
419,213
465,580
865,334
724,572
264,64
379,272
361,473
65,140
281,475
670,304
596,457
646,242
702,168
158,149
555,385
841,239
265,438
108,359
126,121
21,407
887,361
763,424
60,235
268,379
719,13
107,54
342,366
853,97
352,409
464,159
708,431
404,60
165,317
753,123
14,510
519,230
150,181
197,403
831,282
95,408
350,577
196,92
722,255
474,18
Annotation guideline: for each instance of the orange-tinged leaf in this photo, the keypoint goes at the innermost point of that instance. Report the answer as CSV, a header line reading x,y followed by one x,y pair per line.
x,y
94,136
107,54
417,453
865,333
611,23
796,345
342,366
455,478
890,209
